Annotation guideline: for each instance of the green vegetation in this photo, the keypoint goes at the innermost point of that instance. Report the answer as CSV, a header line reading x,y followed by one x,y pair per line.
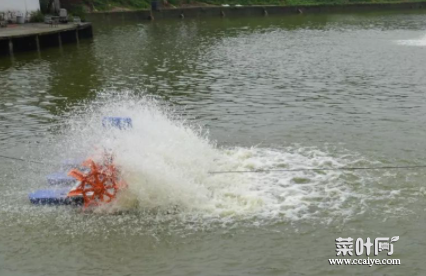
x,y
297,2
247,2
110,4
144,4
43,6
77,10
37,17
115,5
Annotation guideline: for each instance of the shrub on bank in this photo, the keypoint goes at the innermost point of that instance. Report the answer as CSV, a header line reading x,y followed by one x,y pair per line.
x,y
37,17
109,4
79,7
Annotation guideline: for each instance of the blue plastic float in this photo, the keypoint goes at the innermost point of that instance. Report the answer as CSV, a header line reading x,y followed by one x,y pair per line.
x,y
61,184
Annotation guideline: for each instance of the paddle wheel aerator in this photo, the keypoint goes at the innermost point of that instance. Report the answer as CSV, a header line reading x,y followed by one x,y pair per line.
x,y
87,183
97,186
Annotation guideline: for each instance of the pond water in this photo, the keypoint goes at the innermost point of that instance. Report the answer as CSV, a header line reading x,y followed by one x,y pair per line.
x,y
305,91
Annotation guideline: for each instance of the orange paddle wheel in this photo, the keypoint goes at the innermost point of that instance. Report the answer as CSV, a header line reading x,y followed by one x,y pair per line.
x,y
99,184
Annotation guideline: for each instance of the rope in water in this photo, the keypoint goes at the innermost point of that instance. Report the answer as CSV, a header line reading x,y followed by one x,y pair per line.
x,y
272,170
21,159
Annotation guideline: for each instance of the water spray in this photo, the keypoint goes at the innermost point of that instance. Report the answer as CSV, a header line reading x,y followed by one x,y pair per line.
x,y
98,182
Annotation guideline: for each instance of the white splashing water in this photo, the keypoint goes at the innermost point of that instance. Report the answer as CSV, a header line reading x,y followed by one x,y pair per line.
x,y
166,163
421,42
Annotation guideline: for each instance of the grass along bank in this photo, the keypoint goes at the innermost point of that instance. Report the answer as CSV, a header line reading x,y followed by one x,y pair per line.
x,y
129,5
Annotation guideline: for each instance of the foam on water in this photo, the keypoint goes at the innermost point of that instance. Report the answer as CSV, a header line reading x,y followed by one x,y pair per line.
x,y
166,162
421,42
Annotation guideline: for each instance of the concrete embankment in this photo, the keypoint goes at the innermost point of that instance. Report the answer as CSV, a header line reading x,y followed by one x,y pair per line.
x,y
36,36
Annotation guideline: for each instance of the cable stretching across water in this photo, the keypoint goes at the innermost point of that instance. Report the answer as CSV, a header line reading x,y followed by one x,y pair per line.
x,y
272,170
21,159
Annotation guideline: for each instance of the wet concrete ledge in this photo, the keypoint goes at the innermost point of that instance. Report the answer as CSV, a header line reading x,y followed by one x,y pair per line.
x,y
36,36
217,11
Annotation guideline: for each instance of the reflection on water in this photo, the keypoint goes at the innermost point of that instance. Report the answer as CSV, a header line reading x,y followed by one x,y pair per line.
x,y
306,90
287,77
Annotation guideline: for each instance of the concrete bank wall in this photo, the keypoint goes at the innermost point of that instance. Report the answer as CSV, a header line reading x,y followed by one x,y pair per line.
x,y
37,36
199,12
